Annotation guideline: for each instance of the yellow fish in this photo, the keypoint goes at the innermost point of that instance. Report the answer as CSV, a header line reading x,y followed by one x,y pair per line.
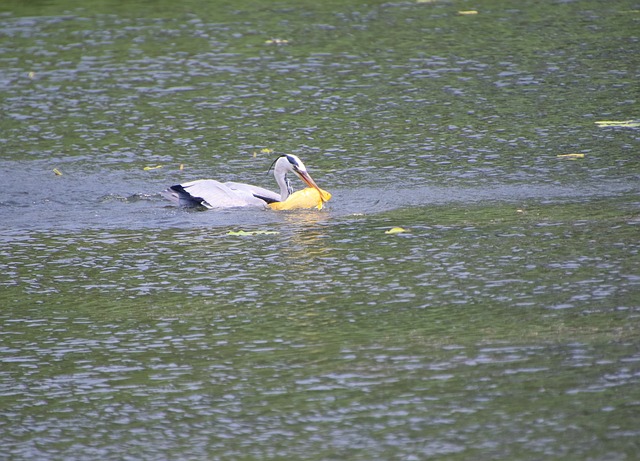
x,y
305,198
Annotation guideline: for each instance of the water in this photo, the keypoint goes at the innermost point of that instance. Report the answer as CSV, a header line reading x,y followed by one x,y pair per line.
x,y
501,325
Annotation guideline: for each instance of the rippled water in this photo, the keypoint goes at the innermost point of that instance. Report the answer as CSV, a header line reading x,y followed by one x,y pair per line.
x,y
501,325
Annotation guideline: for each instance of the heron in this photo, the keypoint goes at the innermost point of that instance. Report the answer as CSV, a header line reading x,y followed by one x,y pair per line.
x,y
217,195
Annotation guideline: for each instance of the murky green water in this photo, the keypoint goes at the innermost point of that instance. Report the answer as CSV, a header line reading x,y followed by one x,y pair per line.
x,y
502,325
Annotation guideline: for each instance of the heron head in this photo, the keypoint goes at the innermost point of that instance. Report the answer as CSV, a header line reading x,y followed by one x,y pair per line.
x,y
287,163
291,163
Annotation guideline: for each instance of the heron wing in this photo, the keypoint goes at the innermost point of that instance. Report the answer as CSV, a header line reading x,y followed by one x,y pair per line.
x,y
256,191
211,194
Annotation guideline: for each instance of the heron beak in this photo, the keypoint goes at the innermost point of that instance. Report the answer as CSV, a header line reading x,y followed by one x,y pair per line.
x,y
311,183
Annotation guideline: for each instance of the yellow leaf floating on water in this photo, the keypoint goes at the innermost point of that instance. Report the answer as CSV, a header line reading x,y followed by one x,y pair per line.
x,y
147,168
266,150
305,198
57,172
570,156
395,230
467,12
620,123
258,232
276,41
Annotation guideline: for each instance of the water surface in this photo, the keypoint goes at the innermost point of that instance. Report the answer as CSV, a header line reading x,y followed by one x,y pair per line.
x,y
501,325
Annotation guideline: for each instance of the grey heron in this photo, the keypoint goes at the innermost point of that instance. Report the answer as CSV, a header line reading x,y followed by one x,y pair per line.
x,y
213,194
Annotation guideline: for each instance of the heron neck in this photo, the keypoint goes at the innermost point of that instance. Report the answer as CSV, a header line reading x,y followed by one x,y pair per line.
x,y
285,186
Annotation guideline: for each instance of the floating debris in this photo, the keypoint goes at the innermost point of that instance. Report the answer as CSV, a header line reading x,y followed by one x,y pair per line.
x,y
467,12
395,230
570,156
57,172
262,151
276,41
246,233
619,123
147,168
